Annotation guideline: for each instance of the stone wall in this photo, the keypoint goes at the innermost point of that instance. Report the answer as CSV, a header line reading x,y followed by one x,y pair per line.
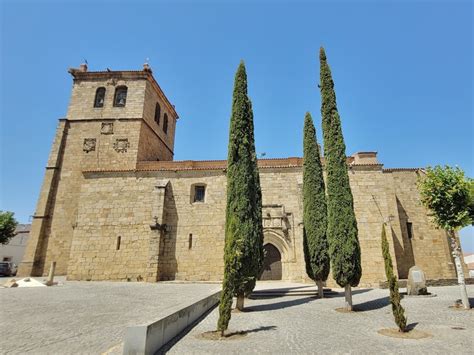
x,y
430,246
99,207
371,206
120,204
33,262
152,96
112,234
84,146
191,248
151,147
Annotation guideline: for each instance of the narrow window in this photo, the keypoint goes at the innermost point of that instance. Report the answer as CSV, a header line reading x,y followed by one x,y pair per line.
x,y
190,241
410,230
157,113
199,193
120,98
165,123
119,239
99,97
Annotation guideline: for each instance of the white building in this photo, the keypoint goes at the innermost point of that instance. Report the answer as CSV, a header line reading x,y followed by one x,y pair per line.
x,y
14,250
469,260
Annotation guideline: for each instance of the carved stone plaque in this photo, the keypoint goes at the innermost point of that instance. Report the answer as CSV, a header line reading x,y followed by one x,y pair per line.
x,y
89,145
121,145
417,276
107,128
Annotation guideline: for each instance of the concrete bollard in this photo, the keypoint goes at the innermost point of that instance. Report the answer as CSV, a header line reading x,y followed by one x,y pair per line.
x,y
50,281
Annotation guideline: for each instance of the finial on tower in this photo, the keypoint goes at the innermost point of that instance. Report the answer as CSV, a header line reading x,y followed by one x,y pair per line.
x,y
83,66
146,66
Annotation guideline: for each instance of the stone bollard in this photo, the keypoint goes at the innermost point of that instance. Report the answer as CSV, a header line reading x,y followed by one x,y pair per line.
x,y
416,284
50,281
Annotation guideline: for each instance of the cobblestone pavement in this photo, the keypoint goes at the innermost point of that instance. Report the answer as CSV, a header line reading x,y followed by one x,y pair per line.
x,y
84,317
305,325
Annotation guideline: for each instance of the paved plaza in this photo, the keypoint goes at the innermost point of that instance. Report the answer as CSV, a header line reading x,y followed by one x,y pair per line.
x,y
305,325
85,317
91,317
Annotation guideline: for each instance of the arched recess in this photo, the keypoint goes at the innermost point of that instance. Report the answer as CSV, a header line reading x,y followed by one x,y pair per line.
x,y
279,242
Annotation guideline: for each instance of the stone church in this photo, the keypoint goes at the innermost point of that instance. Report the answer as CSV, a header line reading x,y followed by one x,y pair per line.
x,y
114,205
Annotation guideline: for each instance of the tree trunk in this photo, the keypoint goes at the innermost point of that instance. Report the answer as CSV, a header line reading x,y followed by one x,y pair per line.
x,y
457,261
240,302
320,289
348,295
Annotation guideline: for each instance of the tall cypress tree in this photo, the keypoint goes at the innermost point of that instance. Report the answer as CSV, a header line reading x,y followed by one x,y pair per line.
x,y
314,208
344,248
397,309
243,254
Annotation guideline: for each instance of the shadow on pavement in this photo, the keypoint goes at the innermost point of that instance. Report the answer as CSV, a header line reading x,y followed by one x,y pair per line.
x,y
411,326
372,304
255,330
278,305
334,294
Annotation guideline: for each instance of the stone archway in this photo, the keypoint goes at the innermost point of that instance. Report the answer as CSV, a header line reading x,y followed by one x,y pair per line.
x,y
272,263
277,240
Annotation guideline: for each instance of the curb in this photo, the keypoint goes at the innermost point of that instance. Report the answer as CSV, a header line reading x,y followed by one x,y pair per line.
x,y
150,337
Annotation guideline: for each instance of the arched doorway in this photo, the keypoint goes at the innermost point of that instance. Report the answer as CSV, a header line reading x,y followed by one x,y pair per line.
x,y
271,263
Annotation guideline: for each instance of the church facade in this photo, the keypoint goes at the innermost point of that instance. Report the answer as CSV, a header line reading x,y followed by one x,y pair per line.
x,y
114,205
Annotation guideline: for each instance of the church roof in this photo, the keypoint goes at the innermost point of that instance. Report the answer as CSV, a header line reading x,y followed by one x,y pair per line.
x,y
291,162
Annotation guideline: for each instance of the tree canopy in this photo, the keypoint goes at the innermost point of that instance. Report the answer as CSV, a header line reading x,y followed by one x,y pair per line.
x,y
342,232
8,225
243,254
446,192
314,206
397,309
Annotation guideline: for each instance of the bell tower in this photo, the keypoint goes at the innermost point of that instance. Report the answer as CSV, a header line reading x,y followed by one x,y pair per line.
x,y
124,116
115,119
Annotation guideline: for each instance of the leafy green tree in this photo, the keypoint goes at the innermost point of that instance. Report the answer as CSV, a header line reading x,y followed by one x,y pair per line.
x,y
397,309
8,225
344,248
314,209
471,200
243,254
445,191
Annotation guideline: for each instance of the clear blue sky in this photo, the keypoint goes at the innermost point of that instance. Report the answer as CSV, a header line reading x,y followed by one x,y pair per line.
x,y
403,72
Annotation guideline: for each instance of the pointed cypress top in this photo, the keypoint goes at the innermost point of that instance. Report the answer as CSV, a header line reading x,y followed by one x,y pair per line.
x,y
240,83
241,68
322,54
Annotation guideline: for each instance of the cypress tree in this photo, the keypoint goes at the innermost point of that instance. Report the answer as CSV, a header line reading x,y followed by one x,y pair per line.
x,y
397,309
344,248
243,252
314,209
